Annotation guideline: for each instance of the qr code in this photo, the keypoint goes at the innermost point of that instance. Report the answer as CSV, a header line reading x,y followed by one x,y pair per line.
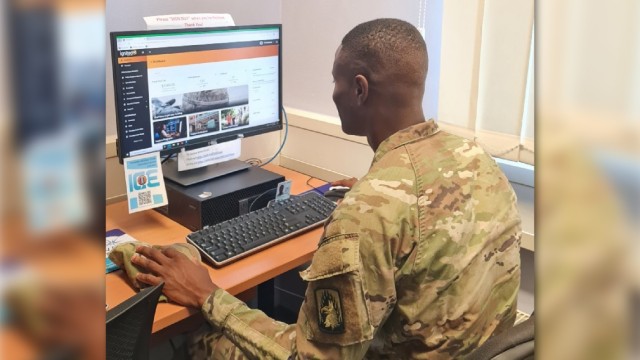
x,y
144,198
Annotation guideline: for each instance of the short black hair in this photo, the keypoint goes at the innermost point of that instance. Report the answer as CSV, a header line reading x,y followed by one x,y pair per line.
x,y
389,45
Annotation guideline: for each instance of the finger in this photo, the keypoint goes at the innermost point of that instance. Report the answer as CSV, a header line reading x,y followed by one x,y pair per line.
x,y
148,279
146,263
170,252
344,182
175,255
152,253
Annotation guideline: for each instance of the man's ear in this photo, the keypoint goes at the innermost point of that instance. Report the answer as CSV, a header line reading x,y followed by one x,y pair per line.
x,y
362,89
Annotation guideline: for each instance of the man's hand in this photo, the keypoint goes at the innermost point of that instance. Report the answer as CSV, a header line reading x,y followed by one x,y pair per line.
x,y
185,282
345,182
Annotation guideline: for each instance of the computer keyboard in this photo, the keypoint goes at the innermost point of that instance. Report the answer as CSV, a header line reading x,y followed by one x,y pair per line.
x,y
233,239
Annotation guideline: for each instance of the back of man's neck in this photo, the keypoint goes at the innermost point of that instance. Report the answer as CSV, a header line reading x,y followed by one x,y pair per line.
x,y
387,125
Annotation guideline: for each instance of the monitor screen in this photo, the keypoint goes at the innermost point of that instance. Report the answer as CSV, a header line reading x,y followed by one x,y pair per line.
x,y
187,88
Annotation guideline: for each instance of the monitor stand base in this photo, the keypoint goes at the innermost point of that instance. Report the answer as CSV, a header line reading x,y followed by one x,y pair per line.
x,y
195,176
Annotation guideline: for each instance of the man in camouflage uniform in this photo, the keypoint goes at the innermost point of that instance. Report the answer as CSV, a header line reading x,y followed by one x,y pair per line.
x,y
420,259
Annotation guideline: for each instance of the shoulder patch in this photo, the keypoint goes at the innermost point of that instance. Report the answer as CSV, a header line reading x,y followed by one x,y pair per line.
x,y
329,305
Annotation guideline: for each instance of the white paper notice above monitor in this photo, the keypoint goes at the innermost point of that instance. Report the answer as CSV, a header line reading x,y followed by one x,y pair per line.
x,y
185,21
209,155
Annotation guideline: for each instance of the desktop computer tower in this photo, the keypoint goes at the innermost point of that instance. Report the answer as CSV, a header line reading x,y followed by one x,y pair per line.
x,y
220,199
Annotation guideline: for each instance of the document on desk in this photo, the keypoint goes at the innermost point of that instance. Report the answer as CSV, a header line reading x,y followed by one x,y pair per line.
x,y
114,238
145,183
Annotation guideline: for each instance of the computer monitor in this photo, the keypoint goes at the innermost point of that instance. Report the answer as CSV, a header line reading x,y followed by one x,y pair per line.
x,y
188,88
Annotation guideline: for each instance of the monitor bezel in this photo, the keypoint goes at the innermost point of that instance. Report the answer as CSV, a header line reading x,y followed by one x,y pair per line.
x,y
214,138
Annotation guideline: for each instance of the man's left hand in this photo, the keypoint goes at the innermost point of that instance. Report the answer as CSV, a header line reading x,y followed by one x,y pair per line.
x,y
185,282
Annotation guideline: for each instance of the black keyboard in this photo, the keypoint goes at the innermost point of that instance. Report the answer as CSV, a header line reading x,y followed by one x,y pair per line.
x,y
233,239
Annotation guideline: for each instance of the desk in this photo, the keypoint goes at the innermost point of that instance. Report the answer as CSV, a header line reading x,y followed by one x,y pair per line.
x,y
153,227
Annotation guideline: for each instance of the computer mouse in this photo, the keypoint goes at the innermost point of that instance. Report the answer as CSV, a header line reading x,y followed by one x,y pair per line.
x,y
336,193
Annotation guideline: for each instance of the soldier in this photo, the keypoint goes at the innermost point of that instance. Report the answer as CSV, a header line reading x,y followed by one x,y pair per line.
x,y
420,259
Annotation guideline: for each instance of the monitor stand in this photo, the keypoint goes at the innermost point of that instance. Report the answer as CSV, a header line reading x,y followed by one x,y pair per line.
x,y
194,176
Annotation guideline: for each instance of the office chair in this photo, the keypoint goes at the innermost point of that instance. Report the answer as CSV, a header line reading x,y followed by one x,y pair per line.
x,y
129,325
516,343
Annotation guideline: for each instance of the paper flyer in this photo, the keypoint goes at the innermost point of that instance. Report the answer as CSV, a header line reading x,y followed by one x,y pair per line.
x,y
114,238
185,21
145,183
209,155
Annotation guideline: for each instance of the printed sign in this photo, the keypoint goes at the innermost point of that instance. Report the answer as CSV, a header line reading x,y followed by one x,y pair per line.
x,y
185,21
145,184
213,154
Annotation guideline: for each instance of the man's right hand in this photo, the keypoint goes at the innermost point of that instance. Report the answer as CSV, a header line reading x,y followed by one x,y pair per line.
x,y
345,182
186,282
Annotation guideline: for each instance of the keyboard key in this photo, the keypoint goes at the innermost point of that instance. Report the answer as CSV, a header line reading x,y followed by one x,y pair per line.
x,y
217,251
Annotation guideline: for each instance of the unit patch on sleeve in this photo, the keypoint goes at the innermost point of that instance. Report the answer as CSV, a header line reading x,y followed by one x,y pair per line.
x,y
330,319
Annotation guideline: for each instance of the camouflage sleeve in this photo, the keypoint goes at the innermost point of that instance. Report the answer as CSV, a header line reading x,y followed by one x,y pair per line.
x,y
345,302
252,331
335,320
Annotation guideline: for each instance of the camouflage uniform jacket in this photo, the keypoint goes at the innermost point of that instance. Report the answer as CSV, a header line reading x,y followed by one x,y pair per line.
x,y
420,260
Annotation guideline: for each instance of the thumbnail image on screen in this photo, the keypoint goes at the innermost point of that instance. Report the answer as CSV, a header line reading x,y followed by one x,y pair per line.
x,y
199,101
234,117
204,123
166,106
168,130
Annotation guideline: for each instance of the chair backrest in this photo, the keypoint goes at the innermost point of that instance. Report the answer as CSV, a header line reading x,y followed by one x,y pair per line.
x,y
129,325
516,343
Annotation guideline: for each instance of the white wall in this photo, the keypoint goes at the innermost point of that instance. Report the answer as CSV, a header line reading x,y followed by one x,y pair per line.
x,y
312,30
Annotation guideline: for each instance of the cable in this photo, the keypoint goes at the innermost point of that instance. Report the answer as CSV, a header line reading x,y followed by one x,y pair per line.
x,y
309,179
286,132
259,196
313,187
167,158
